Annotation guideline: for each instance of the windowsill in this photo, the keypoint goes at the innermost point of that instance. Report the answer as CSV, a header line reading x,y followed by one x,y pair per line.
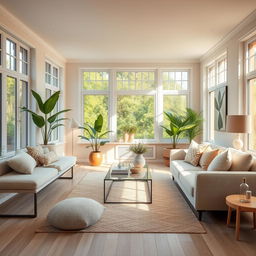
x,y
130,143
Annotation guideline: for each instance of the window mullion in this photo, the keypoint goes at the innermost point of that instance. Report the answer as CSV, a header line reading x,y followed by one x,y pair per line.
x,y
158,106
112,99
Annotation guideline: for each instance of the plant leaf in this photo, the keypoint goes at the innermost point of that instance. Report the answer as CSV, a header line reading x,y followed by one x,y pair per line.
x,y
52,118
83,137
104,134
103,142
51,102
98,123
38,100
56,126
38,120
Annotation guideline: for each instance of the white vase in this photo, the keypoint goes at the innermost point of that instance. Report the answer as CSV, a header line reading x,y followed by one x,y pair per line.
x,y
139,161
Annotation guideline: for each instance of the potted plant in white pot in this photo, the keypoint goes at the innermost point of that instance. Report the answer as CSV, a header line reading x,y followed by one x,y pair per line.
x,y
94,136
45,120
139,160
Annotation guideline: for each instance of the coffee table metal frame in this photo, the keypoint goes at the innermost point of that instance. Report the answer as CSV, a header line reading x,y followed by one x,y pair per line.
x,y
130,177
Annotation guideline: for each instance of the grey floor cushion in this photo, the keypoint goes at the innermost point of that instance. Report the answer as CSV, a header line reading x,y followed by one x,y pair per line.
x,y
75,213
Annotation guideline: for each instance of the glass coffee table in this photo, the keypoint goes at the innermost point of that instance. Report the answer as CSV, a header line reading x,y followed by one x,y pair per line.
x,y
143,176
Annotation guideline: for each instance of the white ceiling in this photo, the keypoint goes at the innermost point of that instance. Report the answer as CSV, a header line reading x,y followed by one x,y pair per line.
x,y
131,30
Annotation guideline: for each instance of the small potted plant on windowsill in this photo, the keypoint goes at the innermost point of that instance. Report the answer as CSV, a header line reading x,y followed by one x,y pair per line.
x,y
184,125
94,136
132,130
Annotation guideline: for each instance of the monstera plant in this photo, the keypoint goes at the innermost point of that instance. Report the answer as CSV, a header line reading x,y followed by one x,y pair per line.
x,y
45,120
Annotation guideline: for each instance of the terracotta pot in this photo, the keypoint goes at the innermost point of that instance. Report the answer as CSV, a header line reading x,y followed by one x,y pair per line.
x,y
131,137
95,158
126,137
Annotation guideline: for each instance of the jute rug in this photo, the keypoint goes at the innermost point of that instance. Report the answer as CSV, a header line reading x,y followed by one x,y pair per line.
x,y
169,213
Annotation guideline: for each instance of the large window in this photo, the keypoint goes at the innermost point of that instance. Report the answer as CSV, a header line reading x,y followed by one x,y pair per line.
x,y
14,85
216,78
251,88
134,98
52,85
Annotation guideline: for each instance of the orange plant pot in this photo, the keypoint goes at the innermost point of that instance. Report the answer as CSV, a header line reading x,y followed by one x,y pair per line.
x,y
95,158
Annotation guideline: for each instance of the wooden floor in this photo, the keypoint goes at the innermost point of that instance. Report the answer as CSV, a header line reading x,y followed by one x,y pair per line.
x,y
18,237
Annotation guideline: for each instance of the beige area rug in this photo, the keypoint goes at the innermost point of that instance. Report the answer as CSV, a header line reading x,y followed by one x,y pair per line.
x,y
169,213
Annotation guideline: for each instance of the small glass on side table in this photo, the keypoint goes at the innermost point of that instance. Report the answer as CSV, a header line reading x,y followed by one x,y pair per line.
x,y
143,176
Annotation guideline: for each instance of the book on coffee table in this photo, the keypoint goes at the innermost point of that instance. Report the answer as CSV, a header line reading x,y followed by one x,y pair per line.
x,y
120,170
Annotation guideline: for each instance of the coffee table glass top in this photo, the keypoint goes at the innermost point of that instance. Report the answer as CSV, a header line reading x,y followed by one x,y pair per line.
x,y
144,174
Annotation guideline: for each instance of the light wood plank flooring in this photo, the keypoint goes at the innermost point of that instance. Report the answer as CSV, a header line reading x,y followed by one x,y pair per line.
x,y
18,237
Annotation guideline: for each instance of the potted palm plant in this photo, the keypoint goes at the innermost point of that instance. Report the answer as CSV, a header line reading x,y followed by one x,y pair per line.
x,y
94,135
184,125
46,121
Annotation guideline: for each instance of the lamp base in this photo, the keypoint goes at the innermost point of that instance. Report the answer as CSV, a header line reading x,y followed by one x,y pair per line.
x,y
238,143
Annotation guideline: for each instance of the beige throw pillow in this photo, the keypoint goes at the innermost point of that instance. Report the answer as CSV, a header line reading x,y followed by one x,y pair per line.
x,y
36,152
241,161
194,153
48,158
222,162
22,163
207,157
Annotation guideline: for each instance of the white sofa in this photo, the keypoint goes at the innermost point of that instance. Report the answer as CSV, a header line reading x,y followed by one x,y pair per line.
x,y
207,190
13,182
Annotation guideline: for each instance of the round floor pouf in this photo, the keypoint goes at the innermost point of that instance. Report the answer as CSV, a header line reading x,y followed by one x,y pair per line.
x,y
75,213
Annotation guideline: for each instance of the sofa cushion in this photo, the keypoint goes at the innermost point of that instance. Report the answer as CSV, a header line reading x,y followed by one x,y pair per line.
x,y
194,153
64,163
222,162
241,161
16,181
36,152
4,167
179,166
48,158
22,163
75,213
207,157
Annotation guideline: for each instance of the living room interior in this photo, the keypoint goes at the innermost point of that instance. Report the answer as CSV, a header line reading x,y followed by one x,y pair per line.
x,y
128,127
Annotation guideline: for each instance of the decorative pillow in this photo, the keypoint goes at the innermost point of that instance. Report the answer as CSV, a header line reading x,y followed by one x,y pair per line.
x,y
222,162
46,150
48,158
75,213
22,163
241,161
36,152
207,156
194,153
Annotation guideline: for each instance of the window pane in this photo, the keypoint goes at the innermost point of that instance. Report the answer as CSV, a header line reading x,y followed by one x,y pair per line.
x,y
135,80
23,94
11,113
175,80
211,76
252,140
252,56
95,80
93,106
10,54
175,103
136,111
23,61
222,71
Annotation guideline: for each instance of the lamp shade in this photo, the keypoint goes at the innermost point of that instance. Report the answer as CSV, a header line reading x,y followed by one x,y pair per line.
x,y
74,124
239,123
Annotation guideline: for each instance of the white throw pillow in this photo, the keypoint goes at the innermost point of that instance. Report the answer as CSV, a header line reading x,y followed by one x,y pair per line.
x,y
241,161
222,162
75,213
22,163
194,153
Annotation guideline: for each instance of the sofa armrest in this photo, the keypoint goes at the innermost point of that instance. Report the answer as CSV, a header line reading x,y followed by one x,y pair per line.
x,y
211,188
177,154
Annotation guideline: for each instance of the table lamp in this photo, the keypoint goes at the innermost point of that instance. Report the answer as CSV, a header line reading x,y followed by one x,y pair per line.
x,y
238,124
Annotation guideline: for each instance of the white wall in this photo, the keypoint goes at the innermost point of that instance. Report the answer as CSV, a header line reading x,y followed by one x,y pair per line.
x,y
233,44
40,51
73,101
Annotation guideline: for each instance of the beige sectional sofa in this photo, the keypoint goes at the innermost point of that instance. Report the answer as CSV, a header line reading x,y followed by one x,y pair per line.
x,y
13,182
206,190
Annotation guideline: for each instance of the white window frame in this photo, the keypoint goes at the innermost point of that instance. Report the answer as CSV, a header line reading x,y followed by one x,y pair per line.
x,y
19,77
248,76
158,94
213,87
54,89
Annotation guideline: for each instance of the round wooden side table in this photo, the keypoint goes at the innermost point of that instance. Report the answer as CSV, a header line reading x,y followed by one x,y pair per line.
x,y
233,202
